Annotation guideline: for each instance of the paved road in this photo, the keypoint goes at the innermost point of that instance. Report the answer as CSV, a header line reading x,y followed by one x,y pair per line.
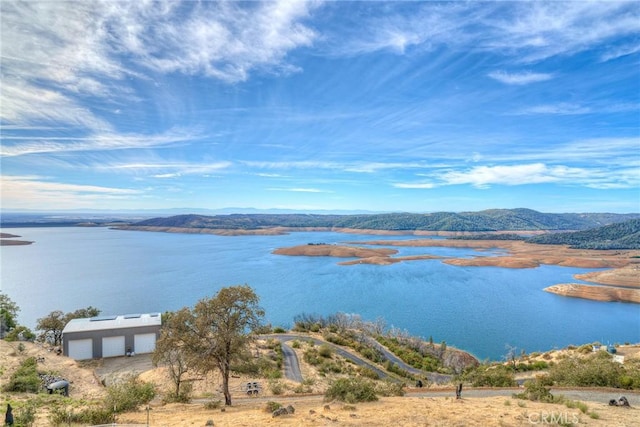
x,y
291,361
431,376
292,366
584,395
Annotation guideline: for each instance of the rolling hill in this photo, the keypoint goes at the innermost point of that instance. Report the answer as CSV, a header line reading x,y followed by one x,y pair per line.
x,y
487,220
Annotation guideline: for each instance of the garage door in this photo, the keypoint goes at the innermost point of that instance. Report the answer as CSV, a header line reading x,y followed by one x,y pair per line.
x,y
81,349
144,343
113,346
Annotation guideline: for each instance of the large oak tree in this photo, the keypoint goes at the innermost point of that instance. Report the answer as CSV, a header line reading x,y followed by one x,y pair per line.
x,y
219,330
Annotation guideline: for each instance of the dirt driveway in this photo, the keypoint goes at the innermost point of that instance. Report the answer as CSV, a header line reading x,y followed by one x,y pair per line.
x,y
115,368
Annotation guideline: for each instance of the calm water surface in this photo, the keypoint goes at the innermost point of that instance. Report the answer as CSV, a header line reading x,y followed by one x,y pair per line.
x,y
479,309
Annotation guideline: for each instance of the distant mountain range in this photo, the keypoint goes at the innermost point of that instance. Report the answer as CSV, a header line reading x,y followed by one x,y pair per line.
x,y
482,221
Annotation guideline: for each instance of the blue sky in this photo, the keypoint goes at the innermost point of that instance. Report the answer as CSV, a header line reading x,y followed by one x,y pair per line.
x,y
379,106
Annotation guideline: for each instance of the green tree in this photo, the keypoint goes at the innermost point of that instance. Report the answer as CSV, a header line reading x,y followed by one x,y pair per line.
x,y
83,313
220,329
8,314
51,326
20,332
170,350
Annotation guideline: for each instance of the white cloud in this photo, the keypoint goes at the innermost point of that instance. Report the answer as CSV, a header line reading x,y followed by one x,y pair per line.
x,y
57,54
95,142
24,105
34,192
300,190
173,169
533,173
524,31
619,51
522,78
562,108
417,185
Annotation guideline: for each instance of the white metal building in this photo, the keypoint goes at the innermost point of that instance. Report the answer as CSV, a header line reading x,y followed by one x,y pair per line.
x,y
109,336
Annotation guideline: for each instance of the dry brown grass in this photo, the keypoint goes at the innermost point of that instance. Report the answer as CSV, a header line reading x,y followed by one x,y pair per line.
x,y
411,410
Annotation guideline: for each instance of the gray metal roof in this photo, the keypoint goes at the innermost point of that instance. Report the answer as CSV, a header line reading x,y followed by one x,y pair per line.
x,y
112,322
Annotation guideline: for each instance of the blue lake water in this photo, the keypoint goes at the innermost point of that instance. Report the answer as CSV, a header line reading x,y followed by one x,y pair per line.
x,y
479,309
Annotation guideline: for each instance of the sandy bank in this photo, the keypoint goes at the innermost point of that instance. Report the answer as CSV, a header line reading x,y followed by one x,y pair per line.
x,y
623,265
4,242
7,236
334,251
596,293
628,276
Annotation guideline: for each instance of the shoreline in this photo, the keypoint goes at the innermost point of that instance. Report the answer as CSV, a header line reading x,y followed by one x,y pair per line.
x,y
4,240
621,282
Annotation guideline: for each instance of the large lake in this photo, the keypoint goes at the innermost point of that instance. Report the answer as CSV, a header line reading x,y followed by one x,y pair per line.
x,y
479,309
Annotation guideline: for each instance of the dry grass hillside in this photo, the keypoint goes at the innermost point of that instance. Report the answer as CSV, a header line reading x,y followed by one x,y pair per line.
x,y
419,407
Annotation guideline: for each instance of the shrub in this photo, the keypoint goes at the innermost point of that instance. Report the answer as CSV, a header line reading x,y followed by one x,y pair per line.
x,y
212,405
272,406
183,397
539,365
490,376
351,390
276,387
372,354
597,370
25,416
368,372
129,394
279,330
325,351
390,388
537,390
25,378
87,416
392,367
312,357
20,332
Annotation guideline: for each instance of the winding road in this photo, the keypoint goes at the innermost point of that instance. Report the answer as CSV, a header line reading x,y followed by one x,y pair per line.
x,y
292,365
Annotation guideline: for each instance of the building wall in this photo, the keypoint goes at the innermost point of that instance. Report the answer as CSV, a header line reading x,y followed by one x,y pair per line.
x,y
97,336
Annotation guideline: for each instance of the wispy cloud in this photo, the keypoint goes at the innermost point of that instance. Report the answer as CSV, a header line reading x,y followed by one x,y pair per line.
x,y
416,185
620,51
300,190
33,192
536,173
95,142
56,54
522,78
169,169
568,108
562,108
346,166
524,31
527,174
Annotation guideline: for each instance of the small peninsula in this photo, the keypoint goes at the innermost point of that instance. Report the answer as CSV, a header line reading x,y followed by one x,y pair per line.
x,y
6,239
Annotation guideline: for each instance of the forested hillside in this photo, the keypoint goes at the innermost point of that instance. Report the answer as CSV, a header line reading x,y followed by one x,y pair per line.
x,y
488,220
624,235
